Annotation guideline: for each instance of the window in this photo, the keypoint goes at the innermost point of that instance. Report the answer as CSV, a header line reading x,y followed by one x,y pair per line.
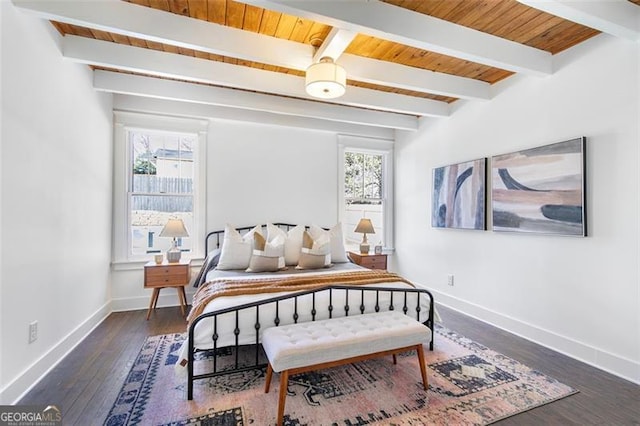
x,y
160,176
363,193
160,187
366,189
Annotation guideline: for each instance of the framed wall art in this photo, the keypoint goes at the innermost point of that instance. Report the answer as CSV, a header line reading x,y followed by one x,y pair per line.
x,y
540,190
458,195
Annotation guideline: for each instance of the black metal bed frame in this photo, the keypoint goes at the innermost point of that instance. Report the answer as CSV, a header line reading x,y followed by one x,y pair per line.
x,y
398,299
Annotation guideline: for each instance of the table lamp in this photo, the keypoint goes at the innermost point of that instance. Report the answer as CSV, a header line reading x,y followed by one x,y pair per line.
x,y
364,227
174,229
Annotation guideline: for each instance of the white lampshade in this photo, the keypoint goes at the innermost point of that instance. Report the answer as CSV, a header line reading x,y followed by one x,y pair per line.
x,y
364,227
174,229
326,79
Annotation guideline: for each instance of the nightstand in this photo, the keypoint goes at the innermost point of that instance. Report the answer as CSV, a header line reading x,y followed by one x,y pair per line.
x,y
159,276
371,261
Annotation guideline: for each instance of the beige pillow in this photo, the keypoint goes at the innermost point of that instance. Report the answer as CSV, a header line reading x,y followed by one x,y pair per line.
x,y
266,256
315,253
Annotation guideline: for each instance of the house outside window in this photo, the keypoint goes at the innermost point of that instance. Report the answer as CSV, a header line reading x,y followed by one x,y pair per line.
x,y
366,187
161,188
159,175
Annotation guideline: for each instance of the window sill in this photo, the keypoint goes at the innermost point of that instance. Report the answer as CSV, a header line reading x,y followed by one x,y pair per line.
x,y
356,249
136,265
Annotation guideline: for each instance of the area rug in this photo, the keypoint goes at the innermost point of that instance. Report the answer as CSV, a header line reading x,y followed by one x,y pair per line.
x,y
469,384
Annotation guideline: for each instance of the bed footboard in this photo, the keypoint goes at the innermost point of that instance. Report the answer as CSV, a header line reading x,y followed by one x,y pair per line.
x,y
325,302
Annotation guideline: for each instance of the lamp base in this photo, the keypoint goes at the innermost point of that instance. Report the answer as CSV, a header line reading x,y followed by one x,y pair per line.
x,y
173,256
364,248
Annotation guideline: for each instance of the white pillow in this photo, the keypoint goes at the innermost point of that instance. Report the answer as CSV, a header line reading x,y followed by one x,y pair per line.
x,y
292,241
236,249
274,247
338,251
315,253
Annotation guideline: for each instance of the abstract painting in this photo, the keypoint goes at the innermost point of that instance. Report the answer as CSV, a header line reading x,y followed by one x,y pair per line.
x,y
458,197
540,190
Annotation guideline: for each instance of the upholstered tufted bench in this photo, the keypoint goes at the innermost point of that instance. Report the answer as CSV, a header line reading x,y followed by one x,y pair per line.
x,y
298,348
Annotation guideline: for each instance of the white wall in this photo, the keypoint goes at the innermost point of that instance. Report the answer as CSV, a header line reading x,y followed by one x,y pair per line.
x,y
259,173
577,295
56,161
2,38
255,173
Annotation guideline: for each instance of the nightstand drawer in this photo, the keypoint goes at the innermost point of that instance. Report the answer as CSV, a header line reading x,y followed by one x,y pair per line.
x,y
159,276
374,262
371,261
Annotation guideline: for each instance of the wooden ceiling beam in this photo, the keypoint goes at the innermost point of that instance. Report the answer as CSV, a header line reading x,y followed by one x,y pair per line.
x,y
377,72
619,18
157,88
406,27
132,20
162,64
126,19
187,109
335,44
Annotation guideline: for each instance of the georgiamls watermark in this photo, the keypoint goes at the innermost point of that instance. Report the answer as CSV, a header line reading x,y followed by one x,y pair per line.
x,y
30,415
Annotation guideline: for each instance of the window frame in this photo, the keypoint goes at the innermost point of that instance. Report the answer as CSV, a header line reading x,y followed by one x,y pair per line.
x,y
123,166
384,147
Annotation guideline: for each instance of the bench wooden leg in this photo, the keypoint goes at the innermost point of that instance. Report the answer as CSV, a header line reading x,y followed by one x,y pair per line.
x,y
423,367
284,382
267,380
395,360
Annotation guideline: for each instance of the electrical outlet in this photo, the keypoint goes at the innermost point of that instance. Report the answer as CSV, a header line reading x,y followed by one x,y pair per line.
x,y
450,280
33,331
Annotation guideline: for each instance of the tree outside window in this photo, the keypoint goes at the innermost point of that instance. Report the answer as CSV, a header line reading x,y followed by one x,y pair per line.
x,y
363,194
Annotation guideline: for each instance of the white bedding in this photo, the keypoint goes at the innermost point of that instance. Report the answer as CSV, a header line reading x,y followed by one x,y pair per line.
x,y
247,318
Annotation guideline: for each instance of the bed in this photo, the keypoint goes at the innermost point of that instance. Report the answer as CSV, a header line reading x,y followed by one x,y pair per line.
x,y
232,307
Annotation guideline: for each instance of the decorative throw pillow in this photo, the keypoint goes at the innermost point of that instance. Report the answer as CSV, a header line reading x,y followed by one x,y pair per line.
x,y
292,241
210,262
338,251
236,248
315,254
267,256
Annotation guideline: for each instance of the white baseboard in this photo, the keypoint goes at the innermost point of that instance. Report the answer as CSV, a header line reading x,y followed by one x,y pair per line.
x,y
26,380
167,297
622,367
22,384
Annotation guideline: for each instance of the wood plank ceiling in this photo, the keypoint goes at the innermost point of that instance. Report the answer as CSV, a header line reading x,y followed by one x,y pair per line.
x,y
506,19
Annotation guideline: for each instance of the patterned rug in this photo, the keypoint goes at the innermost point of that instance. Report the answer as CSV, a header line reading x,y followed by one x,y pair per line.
x,y
469,384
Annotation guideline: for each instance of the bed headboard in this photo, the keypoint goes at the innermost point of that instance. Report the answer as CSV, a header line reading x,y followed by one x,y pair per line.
x,y
216,236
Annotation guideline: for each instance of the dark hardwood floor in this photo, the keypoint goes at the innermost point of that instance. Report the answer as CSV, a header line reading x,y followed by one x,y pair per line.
x,y
604,399
85,384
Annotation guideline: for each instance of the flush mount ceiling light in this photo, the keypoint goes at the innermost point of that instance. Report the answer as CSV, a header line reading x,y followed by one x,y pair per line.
x,y
326,79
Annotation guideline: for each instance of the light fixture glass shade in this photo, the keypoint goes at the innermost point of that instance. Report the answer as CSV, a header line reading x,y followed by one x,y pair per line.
x,y
174,229
326,79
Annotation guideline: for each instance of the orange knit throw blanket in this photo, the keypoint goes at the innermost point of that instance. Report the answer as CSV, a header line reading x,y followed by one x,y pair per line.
x,y
235,287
